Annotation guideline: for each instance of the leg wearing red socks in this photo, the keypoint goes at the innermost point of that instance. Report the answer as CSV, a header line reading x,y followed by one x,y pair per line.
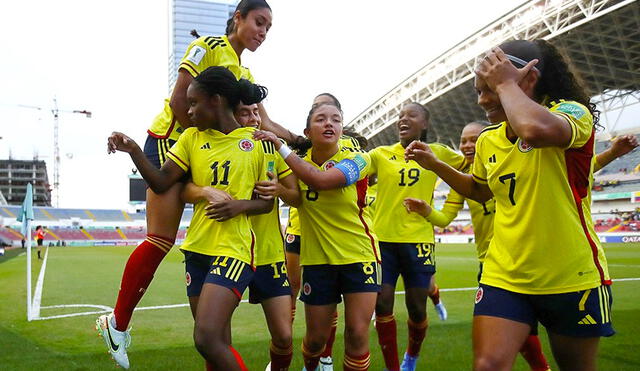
x,y
387,338
532,351
280,357
417,333
137,276
356,363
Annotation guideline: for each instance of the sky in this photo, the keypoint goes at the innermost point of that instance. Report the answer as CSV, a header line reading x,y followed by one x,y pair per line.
x,y
110,57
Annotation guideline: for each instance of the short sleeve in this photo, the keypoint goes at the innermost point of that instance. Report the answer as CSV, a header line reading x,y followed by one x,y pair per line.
x,y
282,168
479,171
199,56
374,158
355,167
180,151
580,120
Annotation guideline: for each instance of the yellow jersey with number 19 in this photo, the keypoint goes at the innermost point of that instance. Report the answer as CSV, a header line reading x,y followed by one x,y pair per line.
x,y
269,241
399,179
544,241
232,163
202,53
334,228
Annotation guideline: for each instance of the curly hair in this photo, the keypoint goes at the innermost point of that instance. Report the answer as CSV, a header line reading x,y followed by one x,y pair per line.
x,y
558,80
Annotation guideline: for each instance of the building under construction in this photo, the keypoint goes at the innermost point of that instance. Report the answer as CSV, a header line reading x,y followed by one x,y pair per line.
x,y
16,174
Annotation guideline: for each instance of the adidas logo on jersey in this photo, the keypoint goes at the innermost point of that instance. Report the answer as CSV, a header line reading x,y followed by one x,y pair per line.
x,y
370,280
206,146
393,158
587,320
216,271
492,159
285,283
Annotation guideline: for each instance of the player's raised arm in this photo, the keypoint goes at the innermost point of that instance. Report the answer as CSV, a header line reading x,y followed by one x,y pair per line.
x,y
159,180
461,182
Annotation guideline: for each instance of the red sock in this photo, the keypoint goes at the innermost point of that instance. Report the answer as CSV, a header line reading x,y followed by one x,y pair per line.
x,y
387,338
311,360
239,360
280,357
332,336
435,295
417,333
138,273
209,366
356,363
532,351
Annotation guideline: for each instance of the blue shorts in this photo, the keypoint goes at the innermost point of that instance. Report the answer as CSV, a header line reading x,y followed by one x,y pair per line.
x,y
156,150
325,284
220,270
585,313
268,282
292,243
414,261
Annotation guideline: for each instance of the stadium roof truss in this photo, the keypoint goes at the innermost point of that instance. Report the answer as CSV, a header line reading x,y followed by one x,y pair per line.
x,y
601,37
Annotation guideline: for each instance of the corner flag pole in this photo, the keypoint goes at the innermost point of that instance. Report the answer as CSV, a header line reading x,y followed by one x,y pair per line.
x,y
26,216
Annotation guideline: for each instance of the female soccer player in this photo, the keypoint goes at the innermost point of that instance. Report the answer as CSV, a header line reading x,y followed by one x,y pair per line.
x,y
269,286
40,233
292,245
246,29
221,154
406,240
339,255
544,262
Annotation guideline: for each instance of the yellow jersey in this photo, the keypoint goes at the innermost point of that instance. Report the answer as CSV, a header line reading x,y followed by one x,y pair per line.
x,y
544,241
269,241
334,227
293,225
202,53
232,163
370,204
399,179
481,217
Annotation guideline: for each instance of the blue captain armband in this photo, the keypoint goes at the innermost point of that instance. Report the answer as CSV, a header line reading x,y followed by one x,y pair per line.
x,y
351,168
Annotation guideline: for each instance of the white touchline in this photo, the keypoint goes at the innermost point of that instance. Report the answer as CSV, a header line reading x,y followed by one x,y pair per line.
x,y
107,309
37,296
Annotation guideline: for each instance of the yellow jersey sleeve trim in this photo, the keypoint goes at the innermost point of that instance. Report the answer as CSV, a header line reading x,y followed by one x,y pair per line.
x,y
479,180
189,68
285,173
572,126
183,165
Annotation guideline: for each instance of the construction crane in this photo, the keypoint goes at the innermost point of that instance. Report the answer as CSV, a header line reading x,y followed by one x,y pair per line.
x,y
56,144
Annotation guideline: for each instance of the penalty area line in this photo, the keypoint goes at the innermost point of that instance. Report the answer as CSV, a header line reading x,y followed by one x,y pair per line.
x,y
107,309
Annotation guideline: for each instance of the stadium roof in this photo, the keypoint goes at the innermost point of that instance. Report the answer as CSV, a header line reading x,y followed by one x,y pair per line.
x,y
601,37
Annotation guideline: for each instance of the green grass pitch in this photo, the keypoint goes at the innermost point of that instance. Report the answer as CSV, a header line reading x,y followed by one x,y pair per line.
x,y
162,338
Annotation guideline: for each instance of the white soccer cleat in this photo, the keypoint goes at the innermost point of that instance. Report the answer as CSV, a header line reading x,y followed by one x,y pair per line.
x,y
117,341
268,368
442,311
326,364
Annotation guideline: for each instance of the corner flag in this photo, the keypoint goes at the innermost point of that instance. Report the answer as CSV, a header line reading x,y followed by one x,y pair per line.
x,y
26,211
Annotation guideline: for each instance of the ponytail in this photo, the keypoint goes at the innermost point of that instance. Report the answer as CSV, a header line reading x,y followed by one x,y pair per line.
x,y
219,80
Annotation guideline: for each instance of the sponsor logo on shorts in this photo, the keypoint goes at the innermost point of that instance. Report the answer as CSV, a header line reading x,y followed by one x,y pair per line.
x,y
245,145
329,164
188,279
306,288
290,238
479,294
523,146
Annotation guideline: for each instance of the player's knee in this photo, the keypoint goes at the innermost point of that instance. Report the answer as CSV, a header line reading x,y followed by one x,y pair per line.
x,y
417,311
384,308
356,336
283,339
487,362
207,342
315,344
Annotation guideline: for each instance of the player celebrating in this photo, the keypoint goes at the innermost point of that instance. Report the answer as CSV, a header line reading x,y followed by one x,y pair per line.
x,y
222,248
544,262
406,240
246,29
339,255
269,286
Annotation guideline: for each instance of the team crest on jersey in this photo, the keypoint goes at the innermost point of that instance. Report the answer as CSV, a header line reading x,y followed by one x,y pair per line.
x,y
290,238
188,279
306,288
246,145
329,164
479,294
523,146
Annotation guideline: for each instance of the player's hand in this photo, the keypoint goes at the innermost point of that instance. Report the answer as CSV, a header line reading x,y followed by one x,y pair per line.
x,y
120,142
420,153
268,189
211,194
224,210
414,205
268,136
496,69
623,144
